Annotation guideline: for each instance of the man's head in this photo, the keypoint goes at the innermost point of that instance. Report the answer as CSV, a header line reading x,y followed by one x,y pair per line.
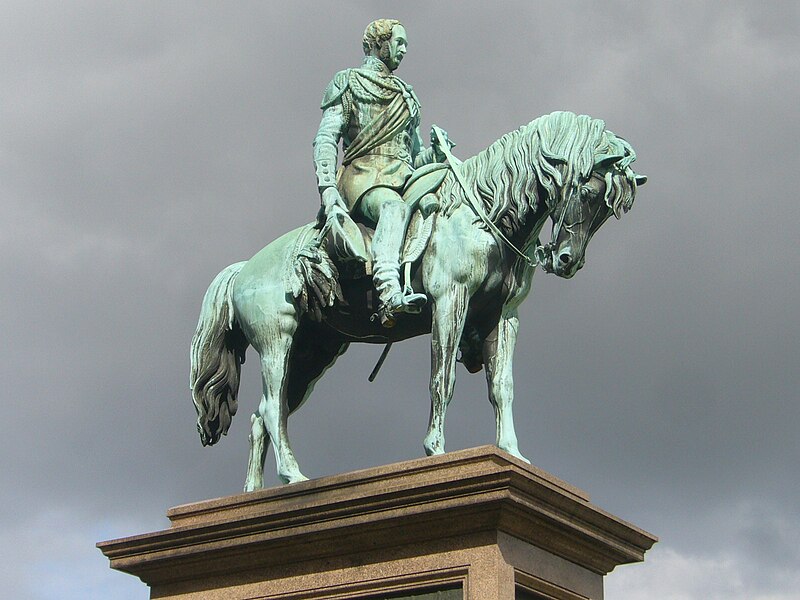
x,y
386,39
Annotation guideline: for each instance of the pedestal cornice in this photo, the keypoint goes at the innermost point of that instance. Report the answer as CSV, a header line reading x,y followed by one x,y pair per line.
x,y
481,492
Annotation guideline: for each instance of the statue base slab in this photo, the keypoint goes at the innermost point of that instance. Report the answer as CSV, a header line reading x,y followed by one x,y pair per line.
x,y
474,524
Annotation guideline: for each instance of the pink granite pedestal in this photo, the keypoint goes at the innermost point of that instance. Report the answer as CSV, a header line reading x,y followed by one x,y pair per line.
x,y
476,524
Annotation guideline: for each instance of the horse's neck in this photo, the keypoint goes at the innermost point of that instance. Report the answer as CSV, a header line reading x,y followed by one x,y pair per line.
x,y
531,213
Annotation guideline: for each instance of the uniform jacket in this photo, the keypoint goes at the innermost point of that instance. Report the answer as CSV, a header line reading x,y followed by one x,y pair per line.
x,y
376,115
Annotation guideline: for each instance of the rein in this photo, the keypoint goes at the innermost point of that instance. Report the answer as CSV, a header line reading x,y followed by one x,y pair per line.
x,y
473,202
559,223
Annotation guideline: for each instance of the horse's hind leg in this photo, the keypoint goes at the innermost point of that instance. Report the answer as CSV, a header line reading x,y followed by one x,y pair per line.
x,y
259,442
313,353
292,376
274,407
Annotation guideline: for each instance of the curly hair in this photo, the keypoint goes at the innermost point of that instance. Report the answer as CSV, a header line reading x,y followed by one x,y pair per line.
x,y
377,33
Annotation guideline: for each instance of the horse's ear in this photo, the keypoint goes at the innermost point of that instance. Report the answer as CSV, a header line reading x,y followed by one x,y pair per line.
x,y
640,179
606,160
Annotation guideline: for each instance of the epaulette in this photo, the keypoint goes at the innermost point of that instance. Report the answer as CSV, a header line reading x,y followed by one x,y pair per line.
x,y
335,89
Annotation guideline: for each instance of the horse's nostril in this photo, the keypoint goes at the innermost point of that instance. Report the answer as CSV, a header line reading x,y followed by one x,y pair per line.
x,y
564,258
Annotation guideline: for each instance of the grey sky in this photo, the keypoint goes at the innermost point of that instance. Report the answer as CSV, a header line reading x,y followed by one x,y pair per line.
x,y
145,146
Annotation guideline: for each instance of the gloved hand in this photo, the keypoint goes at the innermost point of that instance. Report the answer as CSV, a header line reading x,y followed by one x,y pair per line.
x,y
332,203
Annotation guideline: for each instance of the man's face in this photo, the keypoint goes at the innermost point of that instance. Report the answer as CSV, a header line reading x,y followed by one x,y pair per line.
x,y
397,46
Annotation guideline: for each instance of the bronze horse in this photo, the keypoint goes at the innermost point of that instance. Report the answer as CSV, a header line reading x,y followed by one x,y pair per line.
x,y
563,166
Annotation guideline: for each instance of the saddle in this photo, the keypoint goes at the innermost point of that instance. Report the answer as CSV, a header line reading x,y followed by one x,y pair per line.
x,y
322,260
348,242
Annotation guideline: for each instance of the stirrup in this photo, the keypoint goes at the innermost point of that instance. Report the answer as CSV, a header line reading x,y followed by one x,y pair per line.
x,y
399,303
413,303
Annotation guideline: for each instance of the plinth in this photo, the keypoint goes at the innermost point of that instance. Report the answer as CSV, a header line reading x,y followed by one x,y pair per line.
x,y
476,524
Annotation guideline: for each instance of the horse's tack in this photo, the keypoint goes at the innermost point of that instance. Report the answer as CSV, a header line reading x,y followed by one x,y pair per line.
x,y
473,202
417,236
425,180
295,347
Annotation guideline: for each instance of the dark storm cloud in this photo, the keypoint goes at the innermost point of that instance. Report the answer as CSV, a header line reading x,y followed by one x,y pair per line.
x,y
144,147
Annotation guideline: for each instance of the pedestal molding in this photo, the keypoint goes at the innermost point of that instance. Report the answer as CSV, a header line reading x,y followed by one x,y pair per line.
x,y
462,499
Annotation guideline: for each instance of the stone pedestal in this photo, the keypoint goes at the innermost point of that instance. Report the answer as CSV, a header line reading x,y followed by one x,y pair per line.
x,y
476,524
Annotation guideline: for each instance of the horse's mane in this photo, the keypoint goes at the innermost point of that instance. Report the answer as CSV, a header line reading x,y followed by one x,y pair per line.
x,y
557,151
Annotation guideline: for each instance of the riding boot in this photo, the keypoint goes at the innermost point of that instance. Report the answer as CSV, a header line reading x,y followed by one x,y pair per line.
x,y
386,247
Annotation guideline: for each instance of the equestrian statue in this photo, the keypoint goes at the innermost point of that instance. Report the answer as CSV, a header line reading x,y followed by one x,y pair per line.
x,y
408,241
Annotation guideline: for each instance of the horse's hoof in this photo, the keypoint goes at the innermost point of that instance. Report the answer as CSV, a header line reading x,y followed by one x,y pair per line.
x,y
433,449
293,477
515,453
522,458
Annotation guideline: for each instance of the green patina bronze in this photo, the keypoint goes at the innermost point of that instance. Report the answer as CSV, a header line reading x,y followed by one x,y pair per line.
x,y
376,116
408,241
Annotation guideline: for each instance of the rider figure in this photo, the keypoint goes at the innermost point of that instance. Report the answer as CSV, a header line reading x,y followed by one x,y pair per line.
x,y
376,114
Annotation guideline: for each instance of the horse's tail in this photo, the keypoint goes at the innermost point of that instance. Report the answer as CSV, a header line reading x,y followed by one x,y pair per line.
x,y
218,350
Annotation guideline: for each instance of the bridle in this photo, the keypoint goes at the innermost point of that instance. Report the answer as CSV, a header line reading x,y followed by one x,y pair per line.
x,y
544,253
474,203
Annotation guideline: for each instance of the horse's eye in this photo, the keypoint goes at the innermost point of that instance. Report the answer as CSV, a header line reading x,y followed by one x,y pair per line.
x,y
586,191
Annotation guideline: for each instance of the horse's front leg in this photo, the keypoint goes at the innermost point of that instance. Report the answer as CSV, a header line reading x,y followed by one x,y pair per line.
x,y
498,357
449,313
